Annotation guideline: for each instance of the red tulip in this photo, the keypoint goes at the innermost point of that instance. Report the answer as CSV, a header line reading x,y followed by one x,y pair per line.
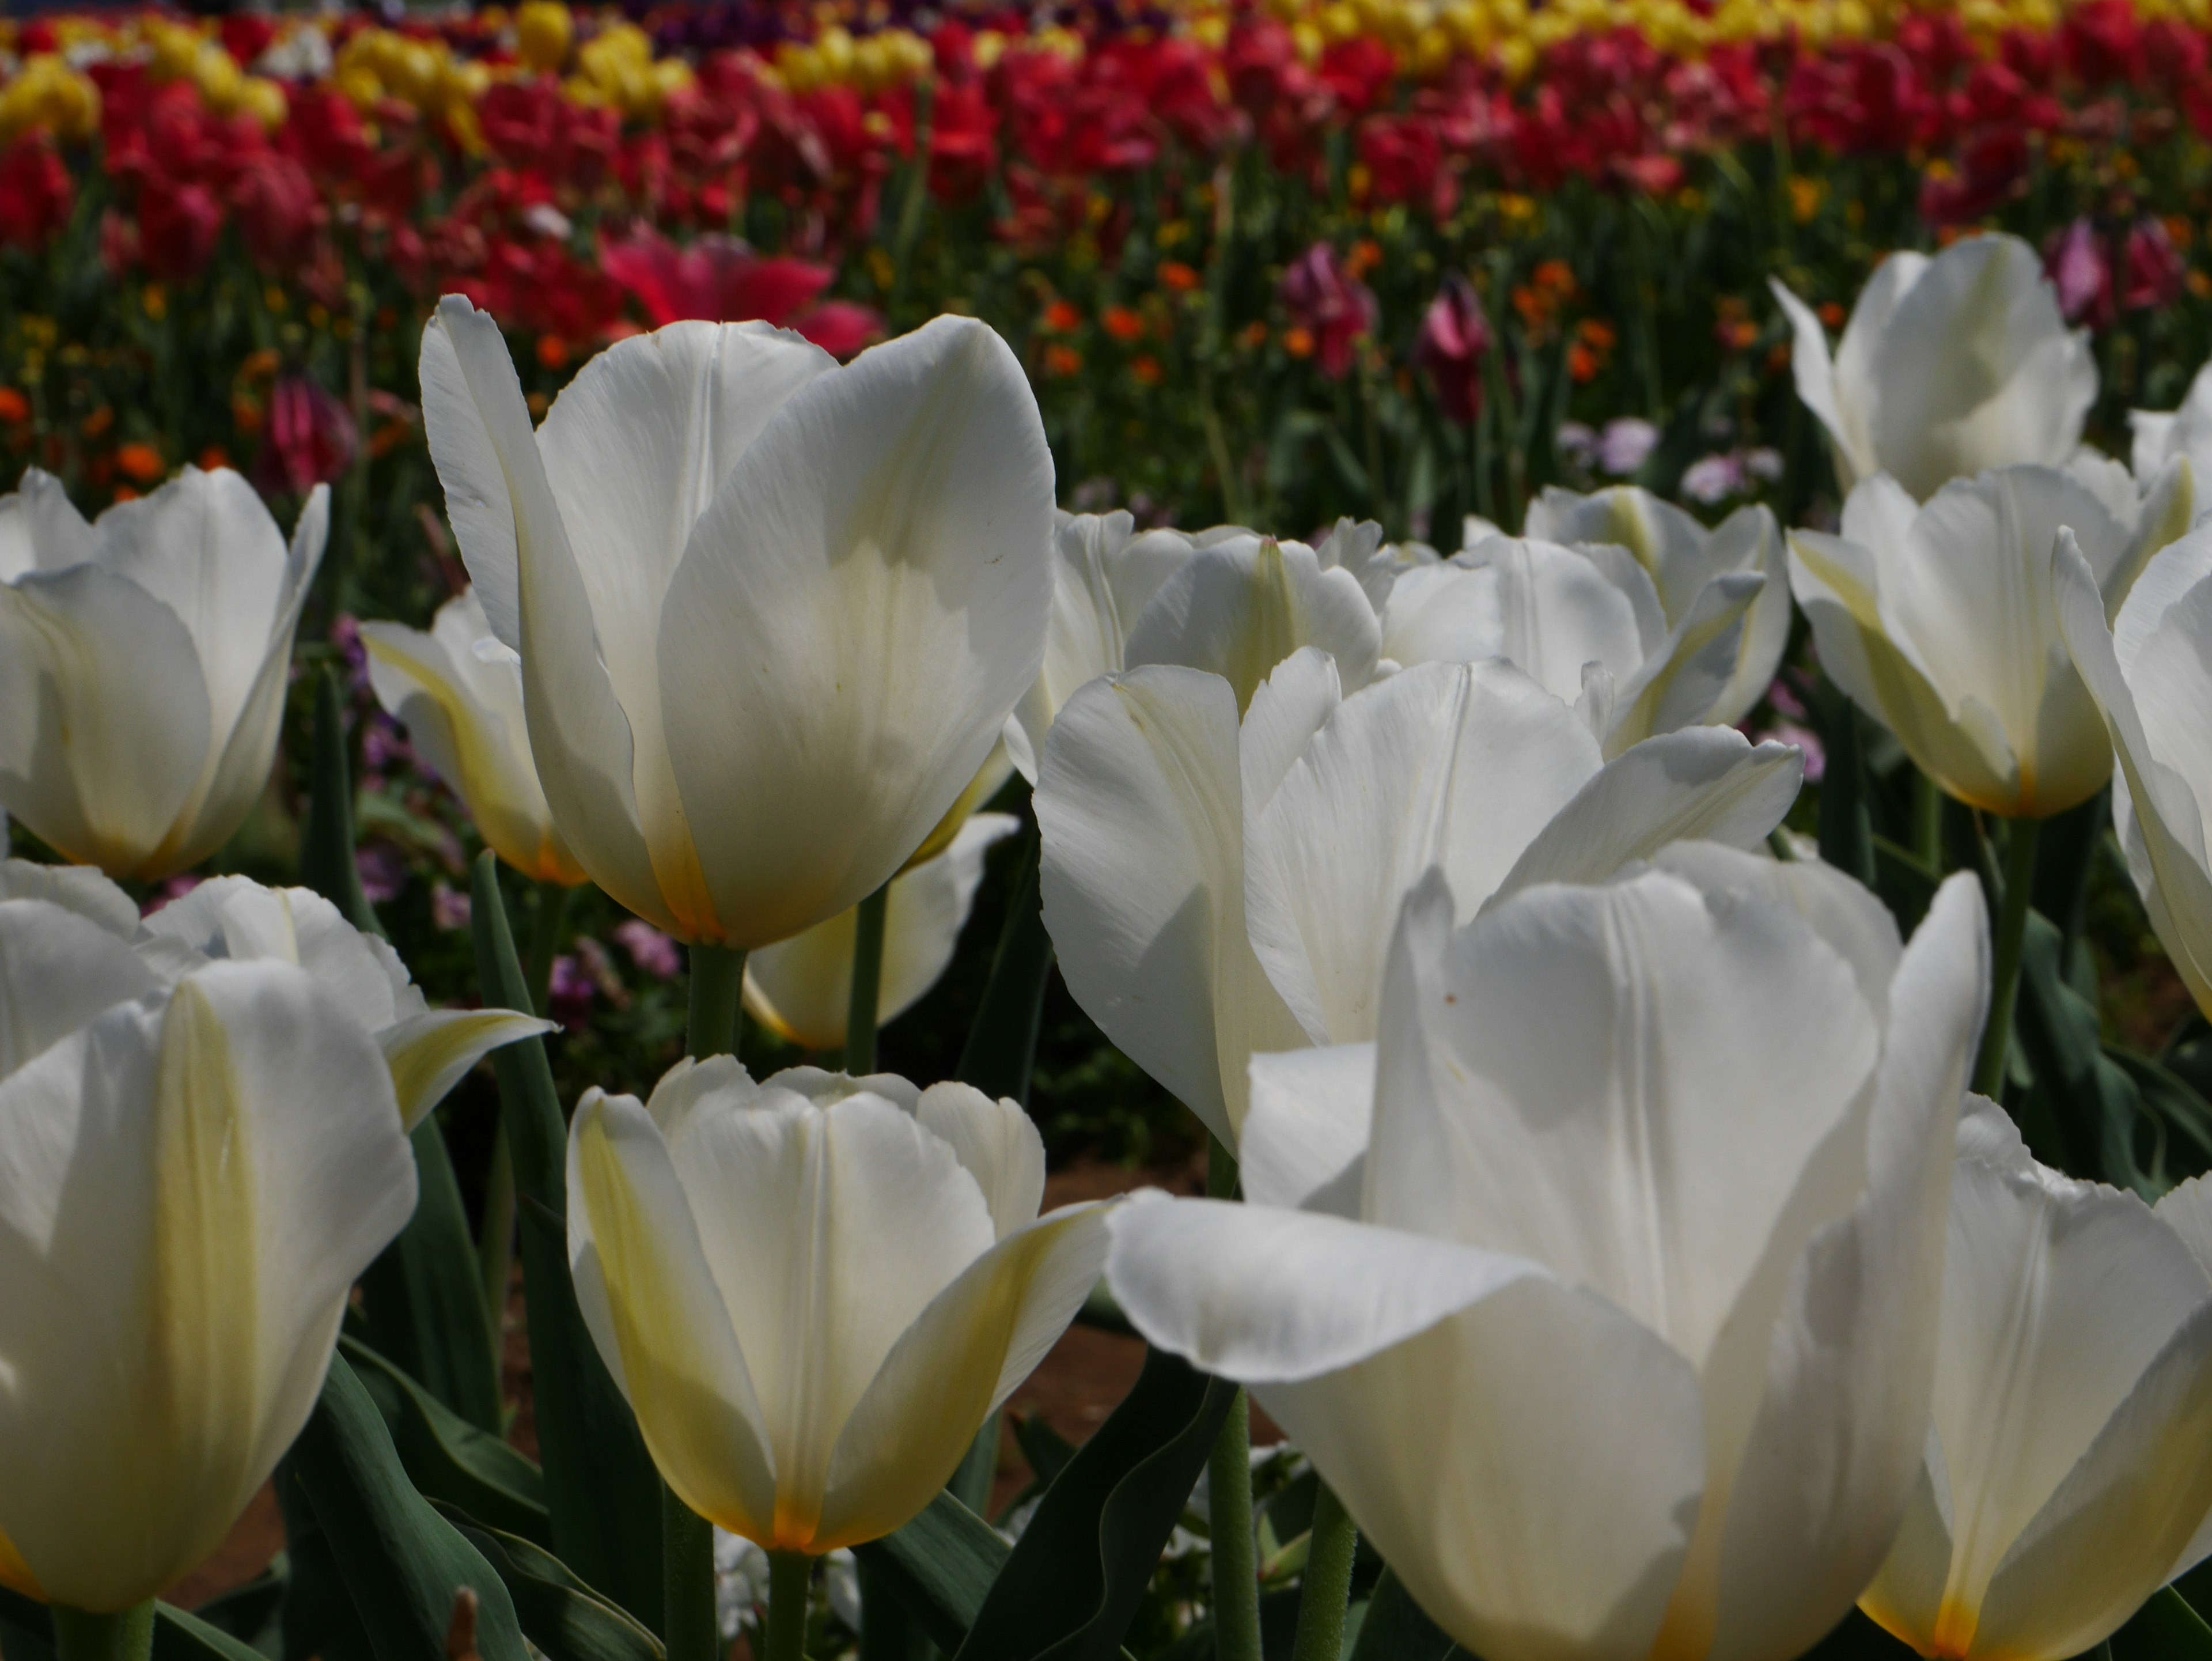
x,y
279,212
2152,266
178,225
35,193
1455,335
310,437
720,279
2082,273
1332,304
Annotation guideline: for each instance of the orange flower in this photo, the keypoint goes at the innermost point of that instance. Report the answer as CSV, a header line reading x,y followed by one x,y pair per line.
x,y
212,457
261,365
99,422
1174,274
1597,334
1122,323
1832,315
1366,254
1256,334
245,415
141,461
1146,368
1060,317
1583,363
125,493
1555,278
552,351
14,406
1062,361
1299,341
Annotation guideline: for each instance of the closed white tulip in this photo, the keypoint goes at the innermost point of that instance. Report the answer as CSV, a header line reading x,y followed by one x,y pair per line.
x,y
1949,366
1586,622
1176,840
1605,1294
427,1050
190,1183
801,988
2150,673
459,692
1684,560
1941,623
813,1291
2068,1470
143,659
2162,435
772,612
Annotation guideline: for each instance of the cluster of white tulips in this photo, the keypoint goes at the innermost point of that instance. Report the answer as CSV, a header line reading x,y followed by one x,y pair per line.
x,y
1608,1200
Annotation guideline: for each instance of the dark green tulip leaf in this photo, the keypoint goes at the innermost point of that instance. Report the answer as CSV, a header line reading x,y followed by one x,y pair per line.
x,y
1074,1579
559,1613
1847,826
26,1633
1394,1628
253,1613
2165,1629
940,1566
327,857
1278,1631
2083,1118
402,1563
602,1493
449,1459
1002,1043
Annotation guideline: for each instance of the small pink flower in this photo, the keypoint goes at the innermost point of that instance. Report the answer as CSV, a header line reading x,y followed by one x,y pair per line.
x,y
649,949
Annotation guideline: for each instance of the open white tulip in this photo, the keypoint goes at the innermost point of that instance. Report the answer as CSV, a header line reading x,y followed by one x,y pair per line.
x,y
458,690
190,1183
801,988
143,659
1949,366
2068,1470
1615,1334
2150,673
2161,436
813,1290
1684,559
1167,824
1940,622
427,1050
1586,622
772,612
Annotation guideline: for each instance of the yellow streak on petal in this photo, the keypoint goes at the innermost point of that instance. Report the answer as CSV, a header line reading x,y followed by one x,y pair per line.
x,y
15,1574
1269,625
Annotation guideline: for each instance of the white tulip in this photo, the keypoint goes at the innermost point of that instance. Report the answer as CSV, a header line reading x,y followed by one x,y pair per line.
x,y
190,1183
427,1050
813,1290
459,692
2068,1470
1949,366
1616,1332
2161,436
1587,622
1940,622
801,988
2151,675
144,660
1683,560
772,612
1177,840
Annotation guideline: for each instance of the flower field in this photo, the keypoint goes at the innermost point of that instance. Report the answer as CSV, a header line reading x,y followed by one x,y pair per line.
x,y
691,693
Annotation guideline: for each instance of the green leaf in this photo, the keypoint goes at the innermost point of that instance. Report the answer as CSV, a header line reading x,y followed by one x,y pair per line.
x,y
1002,1043
253,1613
1395,1627
422,1299
1847,826
1074,1579
318,1618
1905,885
940,1566
2165,1629
26,1633
327,857
2176,1114
602,1492
449,1459
559,1613
402,1563
1278,1631
2087,1105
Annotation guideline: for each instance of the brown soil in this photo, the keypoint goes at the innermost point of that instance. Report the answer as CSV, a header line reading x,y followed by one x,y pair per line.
x,y
1079,1383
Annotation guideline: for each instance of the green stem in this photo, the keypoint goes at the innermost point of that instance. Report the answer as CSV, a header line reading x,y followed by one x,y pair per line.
x,y
789,1573
1327,1586
545,941
867,982
687,1582
495,1239
1928,822
81,1635
718,978
1229,1492
2004,981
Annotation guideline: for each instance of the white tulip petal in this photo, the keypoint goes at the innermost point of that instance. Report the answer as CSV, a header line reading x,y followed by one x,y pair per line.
x,y
802,988
428,1053
1293,703
854,618
2187,1210
2109,1536
1240,606
997,1145
150,1388
647,1293
236,917
1815,373
83,889
1704,783
1306,1131
1139,802
1682,685
1460,765
965,1354
98,763
40,529
58,971
517,549
1554,610
1824,1470
1441,613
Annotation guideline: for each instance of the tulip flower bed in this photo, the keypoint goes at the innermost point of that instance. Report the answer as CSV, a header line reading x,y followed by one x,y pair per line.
x,y
649,661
